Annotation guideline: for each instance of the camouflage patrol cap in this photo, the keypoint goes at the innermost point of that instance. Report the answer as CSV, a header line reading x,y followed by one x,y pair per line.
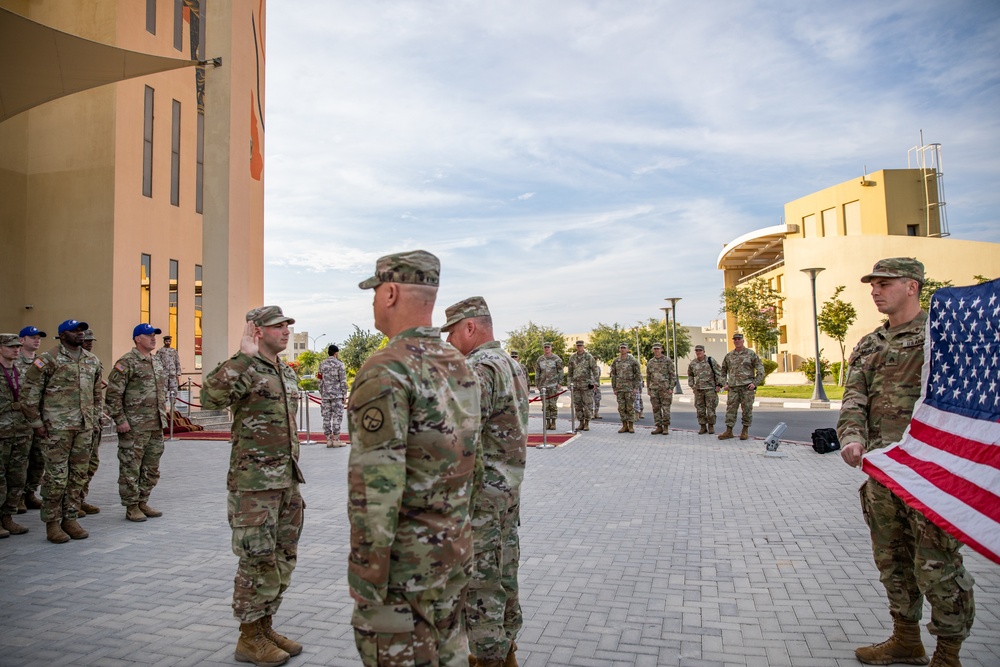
x,y
699,347
625,345
896,267
546,344
474,306
415,267
10,340
657,345
89,335
580,342
514,354
268,316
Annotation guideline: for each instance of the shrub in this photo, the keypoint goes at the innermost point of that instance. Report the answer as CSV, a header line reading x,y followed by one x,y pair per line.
x,y
809,368
311,384
769,367
835,372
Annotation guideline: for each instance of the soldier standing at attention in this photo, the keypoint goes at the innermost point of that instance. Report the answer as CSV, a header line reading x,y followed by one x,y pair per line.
x,y
743,373
661,378
171,363
517,357
61,400
333,391
95,454
597,395
414,418
584,374
137,402
31,340
915,558
626,378
548,379
264,506
492,608
705,381
15,438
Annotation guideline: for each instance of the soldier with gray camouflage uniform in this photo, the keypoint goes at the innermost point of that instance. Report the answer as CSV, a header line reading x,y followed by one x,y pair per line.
x,y
333,392
264,507
492,608
661,378
743,372
15,437
705,382
61,400
137,402
414,418
95,449
915,558
626,381
548,379
584,374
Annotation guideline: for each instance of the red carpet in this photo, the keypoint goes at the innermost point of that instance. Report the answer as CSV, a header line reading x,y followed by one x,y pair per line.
x,y
534,439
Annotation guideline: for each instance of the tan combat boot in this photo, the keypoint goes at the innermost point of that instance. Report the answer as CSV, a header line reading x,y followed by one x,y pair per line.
x,y
287,645
329,441
149,511
586,424
728,435
703,430
74,530
904,647
4,533
54,533
624,428
745,433
946,653
21,509
133,513
711,428
631,427
13,528
87,508
666,429
656,431
254,646
31,501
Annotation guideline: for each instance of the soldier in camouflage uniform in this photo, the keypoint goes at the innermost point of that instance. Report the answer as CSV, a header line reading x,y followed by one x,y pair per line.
x,y
548,379
31,339
584,374
915,558
95,455
661,378
492,608
61,399
171,363
517,357
743,372
264,506
705,381
597,397
137,402
15,437
333,391
626,380
414,419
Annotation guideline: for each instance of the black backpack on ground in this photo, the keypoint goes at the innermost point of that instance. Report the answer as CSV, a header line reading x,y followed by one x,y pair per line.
x,y
825,440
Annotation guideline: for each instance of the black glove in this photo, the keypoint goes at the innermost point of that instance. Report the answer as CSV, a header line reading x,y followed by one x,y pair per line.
x,y
590,386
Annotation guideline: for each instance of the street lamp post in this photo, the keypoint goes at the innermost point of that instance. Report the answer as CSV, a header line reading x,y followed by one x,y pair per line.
x,y
677,369
314,340
818,393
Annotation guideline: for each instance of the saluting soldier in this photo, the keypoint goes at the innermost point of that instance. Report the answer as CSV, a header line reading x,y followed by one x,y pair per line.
x,y
661,378
626,382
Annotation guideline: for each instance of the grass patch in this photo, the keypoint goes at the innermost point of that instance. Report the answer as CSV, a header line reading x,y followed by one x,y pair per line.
x,y
833,392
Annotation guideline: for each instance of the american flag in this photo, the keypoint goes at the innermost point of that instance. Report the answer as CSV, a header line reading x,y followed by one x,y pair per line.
x,y
947,466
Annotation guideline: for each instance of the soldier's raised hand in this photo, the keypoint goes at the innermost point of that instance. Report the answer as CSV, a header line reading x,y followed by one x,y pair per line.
x,y
248,343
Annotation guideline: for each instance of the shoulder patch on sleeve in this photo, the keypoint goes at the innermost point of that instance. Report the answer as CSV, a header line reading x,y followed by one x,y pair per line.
x,y
39,363
119,367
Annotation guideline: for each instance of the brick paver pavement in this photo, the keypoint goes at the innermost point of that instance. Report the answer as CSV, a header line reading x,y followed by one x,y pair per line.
x,y
637,550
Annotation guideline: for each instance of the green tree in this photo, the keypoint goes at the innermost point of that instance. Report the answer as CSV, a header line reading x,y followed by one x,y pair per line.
x,y
755,307
927,291
980,279
835,319
652,332
360,345
308,362
605,339
528,341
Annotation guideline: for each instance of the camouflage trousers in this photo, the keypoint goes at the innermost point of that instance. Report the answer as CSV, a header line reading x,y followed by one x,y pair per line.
x,y
13,469
333,415
660,399
266,528
705,403
67,458
414,628
916,559
36,465
583,403
550,407
139,455
95,460
740,398
492,606
626,404
597,398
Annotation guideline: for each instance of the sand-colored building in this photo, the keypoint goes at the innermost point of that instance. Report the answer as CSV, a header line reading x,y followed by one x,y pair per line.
x,y
140,200
844,230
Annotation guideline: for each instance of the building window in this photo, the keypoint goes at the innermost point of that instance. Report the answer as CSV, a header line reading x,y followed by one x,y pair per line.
x,y
146,265
179,25
147,144
830,222
172,299
912,230
809,226
151,16
783,334
852,218
175,155
779,282
197,317
199,174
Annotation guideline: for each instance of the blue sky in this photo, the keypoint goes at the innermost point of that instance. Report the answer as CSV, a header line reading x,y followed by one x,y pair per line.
x,y
576,162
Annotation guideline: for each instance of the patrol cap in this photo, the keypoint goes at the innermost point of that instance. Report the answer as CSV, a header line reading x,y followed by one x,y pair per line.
x,y
580,342
414,267
657,345
625,345
474,306
32,331
896,267
10,340
547,344
514,354
737,335
268,316
699,347
89,335
143,330
72,325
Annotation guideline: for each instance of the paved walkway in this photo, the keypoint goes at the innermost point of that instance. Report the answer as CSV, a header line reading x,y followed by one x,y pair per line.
x,y
637,550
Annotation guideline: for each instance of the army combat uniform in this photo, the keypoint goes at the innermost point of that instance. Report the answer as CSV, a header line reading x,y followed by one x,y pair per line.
x,y
137,396
626,378
584,375
661,379
740,370
705,380
333,391
548,378
171,363
414,418
36,462
15,442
